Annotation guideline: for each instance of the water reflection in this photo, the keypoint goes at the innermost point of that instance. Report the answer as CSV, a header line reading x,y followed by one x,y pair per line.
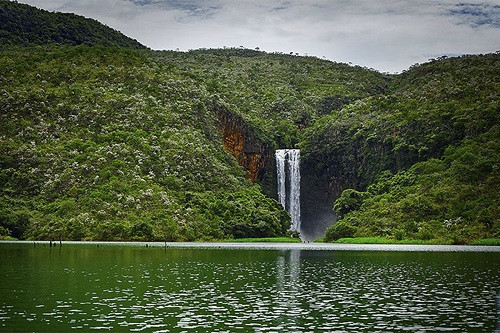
x,y
177,290
288,288
498,312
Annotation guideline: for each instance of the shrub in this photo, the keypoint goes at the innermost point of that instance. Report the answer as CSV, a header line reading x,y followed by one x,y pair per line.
x,y
399,234
141,231
341,229
349,200
4,231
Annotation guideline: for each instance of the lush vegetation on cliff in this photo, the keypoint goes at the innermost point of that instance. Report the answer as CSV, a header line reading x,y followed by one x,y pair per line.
x,y
425,109
453,199
277,95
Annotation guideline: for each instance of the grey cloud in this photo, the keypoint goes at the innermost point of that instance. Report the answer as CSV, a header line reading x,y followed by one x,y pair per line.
x,y
191,8
477,14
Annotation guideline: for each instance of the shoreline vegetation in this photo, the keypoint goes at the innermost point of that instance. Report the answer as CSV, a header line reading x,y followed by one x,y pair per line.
x,y
357,240
262,240
385,240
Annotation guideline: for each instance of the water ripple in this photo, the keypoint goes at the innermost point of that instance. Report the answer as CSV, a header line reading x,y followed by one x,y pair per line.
x,y
177,290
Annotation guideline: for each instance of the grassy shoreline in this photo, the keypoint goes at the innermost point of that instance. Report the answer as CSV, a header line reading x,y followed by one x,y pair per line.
x,y
261,240
385,240
487,242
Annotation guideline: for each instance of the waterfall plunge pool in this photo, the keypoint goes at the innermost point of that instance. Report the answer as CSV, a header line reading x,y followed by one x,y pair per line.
x,y
219,287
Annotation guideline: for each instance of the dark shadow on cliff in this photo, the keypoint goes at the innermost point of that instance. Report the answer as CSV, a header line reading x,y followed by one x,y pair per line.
x,y
316,206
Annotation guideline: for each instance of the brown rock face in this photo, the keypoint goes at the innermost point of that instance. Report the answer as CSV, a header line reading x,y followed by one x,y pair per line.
x,y
250,153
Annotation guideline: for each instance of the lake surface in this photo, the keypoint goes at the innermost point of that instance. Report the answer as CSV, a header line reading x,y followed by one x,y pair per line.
x,y
241,288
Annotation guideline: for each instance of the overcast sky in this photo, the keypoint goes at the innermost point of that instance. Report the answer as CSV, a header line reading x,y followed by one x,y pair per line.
x,y
388,35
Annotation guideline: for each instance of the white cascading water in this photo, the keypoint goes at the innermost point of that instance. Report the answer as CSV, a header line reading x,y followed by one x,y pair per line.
x,y
290,200
280,167
294,171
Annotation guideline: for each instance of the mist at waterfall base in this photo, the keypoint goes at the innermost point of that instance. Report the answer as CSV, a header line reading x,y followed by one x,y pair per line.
x,y
309,205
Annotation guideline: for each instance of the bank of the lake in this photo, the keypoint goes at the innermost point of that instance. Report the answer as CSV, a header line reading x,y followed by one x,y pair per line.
x,y
487,241
387,240
265,245
357,240
263,240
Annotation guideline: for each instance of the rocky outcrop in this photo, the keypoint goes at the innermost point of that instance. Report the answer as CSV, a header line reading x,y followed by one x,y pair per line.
x,y
251,153
247,152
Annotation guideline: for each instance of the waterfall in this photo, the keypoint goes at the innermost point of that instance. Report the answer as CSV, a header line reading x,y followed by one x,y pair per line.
x,y
289,179
280,166
294,171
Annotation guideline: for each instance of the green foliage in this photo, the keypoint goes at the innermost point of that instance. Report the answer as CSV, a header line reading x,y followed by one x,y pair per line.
x,y
349,200
277,95
425,153
385,240
424,111
341,229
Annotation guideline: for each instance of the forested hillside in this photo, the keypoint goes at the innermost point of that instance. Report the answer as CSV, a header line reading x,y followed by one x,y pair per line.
x,y
104,143
110,140
24,25
444,113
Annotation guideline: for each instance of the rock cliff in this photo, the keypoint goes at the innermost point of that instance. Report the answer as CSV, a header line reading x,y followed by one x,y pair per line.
x,y
255,156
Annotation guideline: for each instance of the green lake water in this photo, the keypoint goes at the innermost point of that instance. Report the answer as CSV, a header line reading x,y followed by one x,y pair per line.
x,y
235,289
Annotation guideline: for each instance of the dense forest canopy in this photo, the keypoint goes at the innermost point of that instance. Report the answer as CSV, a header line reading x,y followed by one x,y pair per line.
x,y
102,138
